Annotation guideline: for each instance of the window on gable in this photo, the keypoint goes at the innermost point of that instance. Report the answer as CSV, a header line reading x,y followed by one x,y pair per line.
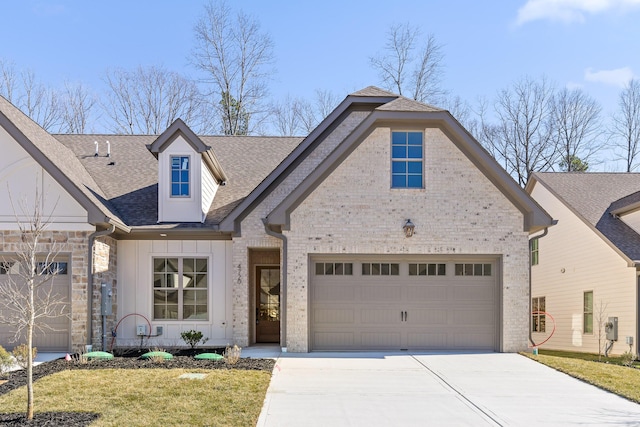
x,y
180,288
406,160
538,317
588,312
180,168
534,252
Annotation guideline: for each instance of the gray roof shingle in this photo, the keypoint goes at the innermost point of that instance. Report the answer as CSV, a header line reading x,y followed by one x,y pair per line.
x,y
593,196
129,177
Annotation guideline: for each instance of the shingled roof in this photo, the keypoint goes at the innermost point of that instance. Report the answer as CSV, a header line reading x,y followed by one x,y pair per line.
x,y
129,177
593,197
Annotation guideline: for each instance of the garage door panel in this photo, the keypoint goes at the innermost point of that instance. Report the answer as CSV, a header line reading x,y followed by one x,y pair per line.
x,y
386,294
380,316
427,317
426,292
56,335
333,316
427,340
322,293
473,317
473,293
479,340
403,311
381,340
334,340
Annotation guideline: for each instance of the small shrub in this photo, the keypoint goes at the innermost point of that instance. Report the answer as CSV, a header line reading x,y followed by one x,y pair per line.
x,y
232,354
158,355
627,359
192,338
21,352
6,360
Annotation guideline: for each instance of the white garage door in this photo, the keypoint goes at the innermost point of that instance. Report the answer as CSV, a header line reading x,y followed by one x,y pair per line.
x,y
387,304
56,336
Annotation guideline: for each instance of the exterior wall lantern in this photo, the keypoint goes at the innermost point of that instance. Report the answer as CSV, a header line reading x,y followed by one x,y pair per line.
x,y
408,228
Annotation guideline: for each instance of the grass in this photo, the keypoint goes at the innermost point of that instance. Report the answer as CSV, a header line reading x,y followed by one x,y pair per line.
x,y
150,397
608,374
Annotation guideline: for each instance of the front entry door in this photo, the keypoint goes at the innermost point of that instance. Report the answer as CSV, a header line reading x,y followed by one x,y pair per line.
x,y
268,304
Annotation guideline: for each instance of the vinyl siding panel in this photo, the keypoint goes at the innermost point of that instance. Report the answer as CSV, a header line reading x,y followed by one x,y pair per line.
x,y
573,259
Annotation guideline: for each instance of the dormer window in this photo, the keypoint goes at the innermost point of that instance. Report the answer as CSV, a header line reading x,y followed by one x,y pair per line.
x,y
180,183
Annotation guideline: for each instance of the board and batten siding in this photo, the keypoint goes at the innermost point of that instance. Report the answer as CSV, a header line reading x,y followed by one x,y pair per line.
x,y
135,281
574,259
19,176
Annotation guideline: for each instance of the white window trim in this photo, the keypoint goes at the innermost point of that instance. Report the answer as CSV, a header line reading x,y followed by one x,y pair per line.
x,y
191,165
391,158
180,294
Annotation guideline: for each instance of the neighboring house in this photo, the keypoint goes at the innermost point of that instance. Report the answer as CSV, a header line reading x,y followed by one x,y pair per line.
x,y
303,242
585,269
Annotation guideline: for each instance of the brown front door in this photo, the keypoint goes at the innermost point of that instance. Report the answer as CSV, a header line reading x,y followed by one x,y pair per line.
x,y
268,304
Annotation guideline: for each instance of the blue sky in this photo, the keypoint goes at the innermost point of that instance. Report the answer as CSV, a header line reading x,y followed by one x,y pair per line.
x,y
593,44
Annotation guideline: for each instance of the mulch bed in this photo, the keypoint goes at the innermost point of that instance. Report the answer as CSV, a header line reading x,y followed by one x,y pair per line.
x,y
78,419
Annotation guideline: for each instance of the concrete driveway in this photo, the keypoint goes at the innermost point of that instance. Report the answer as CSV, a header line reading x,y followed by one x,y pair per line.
x,y
401,389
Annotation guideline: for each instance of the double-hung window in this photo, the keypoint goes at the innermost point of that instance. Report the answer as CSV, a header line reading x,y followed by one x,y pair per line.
x,y
406,159
538,317
180,288
587,312
180,168
535,253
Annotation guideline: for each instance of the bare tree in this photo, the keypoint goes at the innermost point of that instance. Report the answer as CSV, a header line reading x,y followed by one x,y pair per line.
x,y
285,117
577,126
234,55
297,116
77,104
625,125
410,68
27,297
147,100
524,139
601,318
24,91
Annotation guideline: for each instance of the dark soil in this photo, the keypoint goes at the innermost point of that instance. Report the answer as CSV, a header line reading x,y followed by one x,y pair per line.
x,y
129,361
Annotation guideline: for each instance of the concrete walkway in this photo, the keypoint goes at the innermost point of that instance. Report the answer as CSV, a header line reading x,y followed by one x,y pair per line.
x,y
400,389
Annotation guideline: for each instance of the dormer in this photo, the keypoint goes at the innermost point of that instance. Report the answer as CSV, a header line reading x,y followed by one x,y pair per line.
x,y
189,175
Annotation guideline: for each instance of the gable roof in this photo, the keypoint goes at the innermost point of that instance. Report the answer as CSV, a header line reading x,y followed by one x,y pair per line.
x,y
400,110
60,163
179,128
368,98
595,198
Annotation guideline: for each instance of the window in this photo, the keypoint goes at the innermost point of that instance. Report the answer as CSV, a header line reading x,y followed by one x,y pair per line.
x,y
538,318
59,268
534,252
427,269
180,288
380,269
473,269
588,312
9,267
406,160
334,269
180,176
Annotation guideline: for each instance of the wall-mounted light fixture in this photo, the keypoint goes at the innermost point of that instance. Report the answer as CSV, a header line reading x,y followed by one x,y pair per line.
x,y
408,228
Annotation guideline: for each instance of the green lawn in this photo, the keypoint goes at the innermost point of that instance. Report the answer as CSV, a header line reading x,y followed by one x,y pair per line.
x,y
608,373
150,397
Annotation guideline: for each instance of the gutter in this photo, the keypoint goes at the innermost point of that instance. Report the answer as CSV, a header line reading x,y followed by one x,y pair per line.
x,y
539,236
283,284
92,239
